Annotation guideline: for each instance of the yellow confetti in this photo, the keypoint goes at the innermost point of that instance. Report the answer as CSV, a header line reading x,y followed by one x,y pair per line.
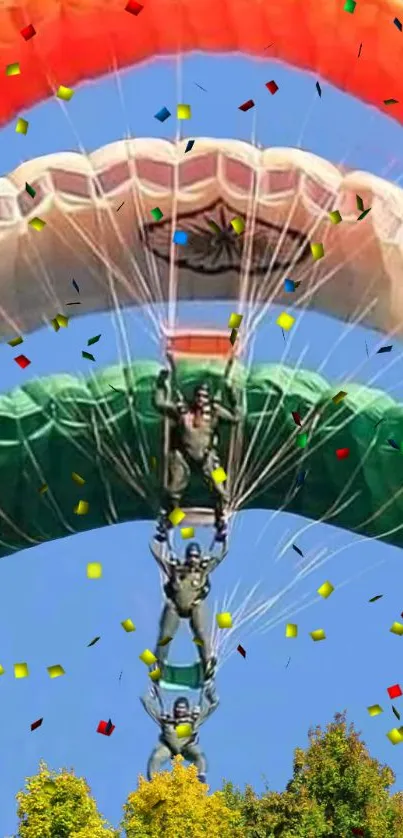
x,y
37,223
187,532
318,634
235,321
82,507
219,475
291,630
2,670
238,225
15,341
13,69
165,641
198,641
317,251
325,590
55,324
397,628
285,321
395,735
21,670
335,217
43,489
55,671
94,570
77,478
339,397
224,620
62,321
176,516
21,126
184,112
183,730
128,625
374,709
155,674
65,93
148,657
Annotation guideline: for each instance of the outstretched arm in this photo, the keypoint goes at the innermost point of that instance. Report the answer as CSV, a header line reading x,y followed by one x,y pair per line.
x,y
209,704
162,400
152,706
217,556
161,552
231,414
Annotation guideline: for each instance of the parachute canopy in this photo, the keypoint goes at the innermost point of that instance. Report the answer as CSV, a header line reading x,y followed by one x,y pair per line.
x,y
106,431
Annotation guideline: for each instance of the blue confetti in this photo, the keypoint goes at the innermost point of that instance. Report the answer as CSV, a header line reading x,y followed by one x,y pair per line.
x,y
162,115
301,478
75,286
393,444
180,237
189,146
398,24
289,285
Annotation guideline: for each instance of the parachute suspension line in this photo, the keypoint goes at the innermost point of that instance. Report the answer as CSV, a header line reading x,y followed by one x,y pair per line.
x,y
173,270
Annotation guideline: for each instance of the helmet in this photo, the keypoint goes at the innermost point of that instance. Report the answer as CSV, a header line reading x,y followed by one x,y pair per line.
x,y
193,550
202,392
181,707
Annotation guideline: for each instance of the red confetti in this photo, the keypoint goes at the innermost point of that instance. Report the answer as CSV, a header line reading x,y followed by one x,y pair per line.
x,y
247,105
28,32
272,87
241,651
106,728
134,8
342,453
36,724
297,418
22,361
395,691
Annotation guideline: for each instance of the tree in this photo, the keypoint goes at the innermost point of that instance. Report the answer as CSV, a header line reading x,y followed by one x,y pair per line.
x,y
59,805
176,805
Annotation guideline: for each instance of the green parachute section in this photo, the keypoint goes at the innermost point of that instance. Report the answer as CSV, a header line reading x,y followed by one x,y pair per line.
x,y
106,430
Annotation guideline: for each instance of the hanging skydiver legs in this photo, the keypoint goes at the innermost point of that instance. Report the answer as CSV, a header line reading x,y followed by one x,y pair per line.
x,y
170,743
186,588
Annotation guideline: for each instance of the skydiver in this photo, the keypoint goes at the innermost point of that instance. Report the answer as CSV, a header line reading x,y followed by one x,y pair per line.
x,y
186,588
170,745
194,436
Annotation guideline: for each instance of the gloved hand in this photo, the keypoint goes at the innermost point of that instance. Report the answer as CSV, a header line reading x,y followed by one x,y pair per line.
x,y
221,531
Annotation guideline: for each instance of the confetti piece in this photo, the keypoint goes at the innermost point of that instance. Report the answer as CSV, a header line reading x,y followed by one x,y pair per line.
x,y
106,728
224,620
65,93
62,321
183,112
297,550
120,206
360,203
335,217
396,712
43,489
21,670
93,642
166,640
187,532
35,725
318,634
342,453
349,6
317,251
55,671
235,321
176,516
285,321
184,730
272,87
359,51
77,478
289,286
395,736
301,478
241,651
233,336
82,507
91,341
319,89
390,101
37,223
384,349
28,32
21,126
148,657
180,237
291,630
54,324
364,214
162,115
196,640
302,440
22,361
13,69
134,8
325,590
374,710
297,419
157,214
189,146
238,224
393,444
30,189
128,625
339,397
87,355
155,675
395,691
15,341
397,628
375,598
398,24
74,284
94,570
219,475
247,106
2,670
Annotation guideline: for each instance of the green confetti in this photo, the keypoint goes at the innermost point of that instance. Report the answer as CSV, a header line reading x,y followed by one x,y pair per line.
x,y
302,440
375,598
360,203
88,356
91,341
30,189
363,214
93,642
390,101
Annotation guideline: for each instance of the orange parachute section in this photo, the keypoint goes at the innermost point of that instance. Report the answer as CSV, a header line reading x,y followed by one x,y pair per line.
x,y
79,39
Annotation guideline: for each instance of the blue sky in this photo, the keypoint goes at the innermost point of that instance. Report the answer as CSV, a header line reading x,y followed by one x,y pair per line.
x,y
49,609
